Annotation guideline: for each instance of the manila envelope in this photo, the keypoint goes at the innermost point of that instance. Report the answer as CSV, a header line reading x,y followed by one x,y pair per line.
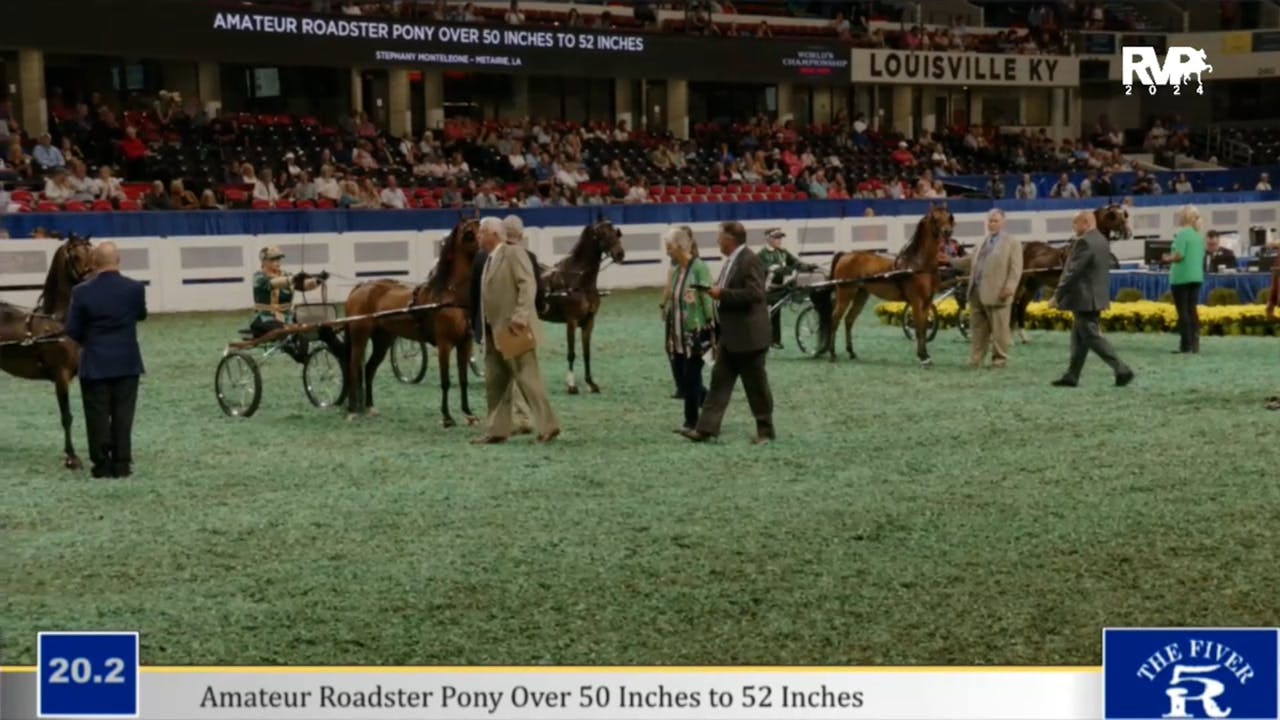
x,y
512,344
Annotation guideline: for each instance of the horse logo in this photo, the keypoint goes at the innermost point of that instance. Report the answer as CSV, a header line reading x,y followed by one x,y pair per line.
x,y
1180,63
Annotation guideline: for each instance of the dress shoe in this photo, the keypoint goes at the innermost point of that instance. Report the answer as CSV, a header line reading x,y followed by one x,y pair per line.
x,y
1064,382
100,473
488,440
682,430
696,436
524,430
762,440
121,471
1124,378
549,436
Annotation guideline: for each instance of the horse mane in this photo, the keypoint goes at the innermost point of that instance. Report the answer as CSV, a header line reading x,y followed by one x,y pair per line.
x,y
439,281
582,250
53,281
916,243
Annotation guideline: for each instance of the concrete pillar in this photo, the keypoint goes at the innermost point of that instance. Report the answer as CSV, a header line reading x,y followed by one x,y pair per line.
x,y
209,87
1075,123
786,101
678,107
1057,114
400,113
623,102
928,117
31,98
975,108
433,92
900,112
357,90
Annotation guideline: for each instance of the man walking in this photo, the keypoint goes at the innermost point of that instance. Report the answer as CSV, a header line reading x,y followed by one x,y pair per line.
x,y
513,227
1084,290
995,271
507,291
103,319
743,342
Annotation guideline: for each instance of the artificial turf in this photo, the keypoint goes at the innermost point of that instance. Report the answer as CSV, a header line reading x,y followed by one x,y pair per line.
x,y
905,516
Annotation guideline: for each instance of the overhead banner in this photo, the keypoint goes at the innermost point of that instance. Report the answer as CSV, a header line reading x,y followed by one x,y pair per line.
x,y
246,34
904,67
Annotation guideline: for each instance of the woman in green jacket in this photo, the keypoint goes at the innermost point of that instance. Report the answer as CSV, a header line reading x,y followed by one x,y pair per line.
x,y
690,319
1186,275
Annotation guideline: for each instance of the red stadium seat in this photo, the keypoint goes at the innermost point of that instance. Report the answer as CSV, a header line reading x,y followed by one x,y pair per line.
x,y
325,204
128,204
22,196
74,206
305,205
284,204
46,206
102,206
261,205
802,196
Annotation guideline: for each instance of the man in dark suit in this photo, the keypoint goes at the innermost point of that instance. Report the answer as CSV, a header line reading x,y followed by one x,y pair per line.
x,y
743,339
1085,290
103,319
1216,257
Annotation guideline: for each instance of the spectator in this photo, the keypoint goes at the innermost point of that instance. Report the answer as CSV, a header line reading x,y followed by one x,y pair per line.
x,y
350,195
1182,184
1027,190
451,197
1105,186
327,186
305,189
392,196
209,201
134,152
82,186
291,168
18,160
106,186
1064,189
638,193
181,198
575,19
995,187
487,197
70,153
264,188
57,187
763,30
902,156
1217,257
157,198
818,186
47,157
1086,185
514,16
1186,274
1264,183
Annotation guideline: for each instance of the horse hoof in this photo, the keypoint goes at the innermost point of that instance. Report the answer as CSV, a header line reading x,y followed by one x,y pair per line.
x,y
927,363
352,417
573,389
372,412
473,420
449,422
595,389
72,463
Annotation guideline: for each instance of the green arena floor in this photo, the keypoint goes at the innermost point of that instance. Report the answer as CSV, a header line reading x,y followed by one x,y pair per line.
x,y
905,516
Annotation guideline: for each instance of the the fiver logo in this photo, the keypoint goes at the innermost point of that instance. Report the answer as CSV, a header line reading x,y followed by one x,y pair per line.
x,y
1159,673
1180,63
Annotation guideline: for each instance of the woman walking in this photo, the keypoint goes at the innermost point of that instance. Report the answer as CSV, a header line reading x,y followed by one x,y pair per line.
x,y
1186,275
689,315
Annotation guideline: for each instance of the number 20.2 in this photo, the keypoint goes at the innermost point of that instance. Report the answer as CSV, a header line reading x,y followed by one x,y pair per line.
x,y
80,671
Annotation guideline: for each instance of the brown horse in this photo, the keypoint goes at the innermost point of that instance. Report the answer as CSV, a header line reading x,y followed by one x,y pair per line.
x,y
916,286
448,327
1042,263
572,295
54,360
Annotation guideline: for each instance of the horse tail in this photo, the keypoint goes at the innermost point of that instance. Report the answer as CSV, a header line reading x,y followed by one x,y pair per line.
x,y
835,261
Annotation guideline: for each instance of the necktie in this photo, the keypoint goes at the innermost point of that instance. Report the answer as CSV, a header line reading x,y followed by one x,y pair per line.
x,y
484,281
982,258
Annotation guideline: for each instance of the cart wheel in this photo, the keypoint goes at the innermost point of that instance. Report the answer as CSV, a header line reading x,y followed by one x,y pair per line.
x,y
476,368
962,323
809,331
409,360
323,379
909,328
238,384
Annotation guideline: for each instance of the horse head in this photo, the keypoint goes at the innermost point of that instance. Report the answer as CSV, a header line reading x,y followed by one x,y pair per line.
x,y
1113,221
456,254
72,263
77,257
609,240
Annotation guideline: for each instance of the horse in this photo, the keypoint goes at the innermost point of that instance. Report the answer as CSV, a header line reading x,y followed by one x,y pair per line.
x,y
919,260
1042,263
48,359
572,295
447,327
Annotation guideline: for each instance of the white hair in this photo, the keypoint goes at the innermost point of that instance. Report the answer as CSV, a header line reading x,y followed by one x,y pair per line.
x,y
995,212
513,226
493,225
680,237
1189,215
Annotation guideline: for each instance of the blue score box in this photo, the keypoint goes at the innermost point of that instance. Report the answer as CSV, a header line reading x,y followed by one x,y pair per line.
x,y
87,675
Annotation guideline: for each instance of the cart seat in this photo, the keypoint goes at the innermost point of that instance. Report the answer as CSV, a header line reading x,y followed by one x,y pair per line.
x,y
245,333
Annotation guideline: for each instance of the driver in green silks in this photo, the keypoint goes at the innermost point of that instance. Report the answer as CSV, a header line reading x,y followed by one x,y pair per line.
x,y
273,299
780,265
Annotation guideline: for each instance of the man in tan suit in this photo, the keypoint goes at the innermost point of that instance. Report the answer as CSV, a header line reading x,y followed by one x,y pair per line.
x,y
513,227
994,272
507,291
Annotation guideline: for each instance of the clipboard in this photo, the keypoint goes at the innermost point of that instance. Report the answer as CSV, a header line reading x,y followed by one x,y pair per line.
x,y
511,344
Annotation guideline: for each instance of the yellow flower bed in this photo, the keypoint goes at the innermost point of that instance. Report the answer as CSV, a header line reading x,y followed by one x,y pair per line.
x,y
1142,316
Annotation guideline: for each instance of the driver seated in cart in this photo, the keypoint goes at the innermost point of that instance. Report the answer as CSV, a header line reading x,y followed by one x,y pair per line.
x,y
273,299
784,271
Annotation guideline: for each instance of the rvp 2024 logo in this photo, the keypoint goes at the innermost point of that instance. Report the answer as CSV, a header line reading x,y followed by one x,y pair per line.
x,y
1188,673
1180,63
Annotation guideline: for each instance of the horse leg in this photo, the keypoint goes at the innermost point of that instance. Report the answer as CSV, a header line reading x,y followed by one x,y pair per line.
x,y
842,306
71,461
570,326
587,327
464,355
920,314
381,344
859,301
443,349
356,339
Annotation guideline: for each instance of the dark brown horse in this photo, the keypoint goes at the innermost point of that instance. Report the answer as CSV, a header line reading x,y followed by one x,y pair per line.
x,y
448,327
55,360
1042,263
916,285
573,297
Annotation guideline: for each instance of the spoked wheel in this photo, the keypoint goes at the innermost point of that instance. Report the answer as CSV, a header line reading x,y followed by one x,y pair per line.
x,y
477,367
409,360
962,323
909,324
323,379
238,384
809,331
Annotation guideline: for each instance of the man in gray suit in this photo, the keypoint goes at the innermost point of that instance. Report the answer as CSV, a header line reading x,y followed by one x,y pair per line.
x,y
1084,290
744,339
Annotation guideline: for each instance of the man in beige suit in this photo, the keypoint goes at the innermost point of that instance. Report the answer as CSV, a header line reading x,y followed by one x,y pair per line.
x,y
507,292
994,272
513,227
